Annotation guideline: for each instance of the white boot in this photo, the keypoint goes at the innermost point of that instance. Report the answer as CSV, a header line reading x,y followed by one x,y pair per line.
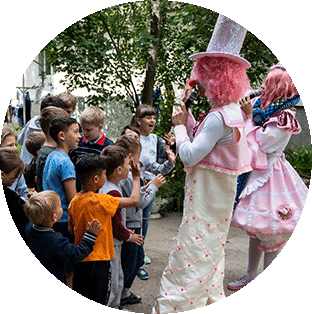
x,y
239,284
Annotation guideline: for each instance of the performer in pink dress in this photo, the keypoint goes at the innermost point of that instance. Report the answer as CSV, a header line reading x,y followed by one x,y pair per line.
x,y
214,154
271,203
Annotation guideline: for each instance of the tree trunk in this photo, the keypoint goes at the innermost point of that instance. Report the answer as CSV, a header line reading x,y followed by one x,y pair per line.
x,y
148,87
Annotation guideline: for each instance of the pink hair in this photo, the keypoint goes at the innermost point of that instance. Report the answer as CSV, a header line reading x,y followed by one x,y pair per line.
x,y
278,84
225,81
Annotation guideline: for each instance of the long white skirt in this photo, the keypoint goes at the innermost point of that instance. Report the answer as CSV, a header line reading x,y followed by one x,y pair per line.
x,y
195,271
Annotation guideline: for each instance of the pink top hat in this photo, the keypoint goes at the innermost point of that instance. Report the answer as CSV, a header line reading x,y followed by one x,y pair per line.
x,y
226,41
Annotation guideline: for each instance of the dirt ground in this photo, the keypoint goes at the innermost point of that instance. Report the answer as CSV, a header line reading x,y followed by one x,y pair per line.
x,y
160,240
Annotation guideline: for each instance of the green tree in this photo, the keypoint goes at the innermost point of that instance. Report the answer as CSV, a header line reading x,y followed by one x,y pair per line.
x,y
126,51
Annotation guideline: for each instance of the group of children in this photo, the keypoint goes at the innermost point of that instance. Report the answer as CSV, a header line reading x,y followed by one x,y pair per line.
x,y
86,211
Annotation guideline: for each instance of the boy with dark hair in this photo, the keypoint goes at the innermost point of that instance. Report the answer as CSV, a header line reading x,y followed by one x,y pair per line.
x,y
45,119
118,168
132,256
59,171
92,274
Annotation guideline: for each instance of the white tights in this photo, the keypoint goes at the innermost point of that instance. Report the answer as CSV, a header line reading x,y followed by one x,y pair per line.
x,y
254,257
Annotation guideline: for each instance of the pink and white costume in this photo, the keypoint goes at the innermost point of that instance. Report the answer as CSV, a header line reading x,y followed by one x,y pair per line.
x,y
195,271
274,196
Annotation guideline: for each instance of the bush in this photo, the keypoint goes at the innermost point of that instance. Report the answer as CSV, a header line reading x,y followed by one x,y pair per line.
x,y
173,190
301,159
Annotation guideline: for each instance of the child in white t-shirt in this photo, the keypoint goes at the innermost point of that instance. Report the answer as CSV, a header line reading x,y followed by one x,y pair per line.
x,y
156,156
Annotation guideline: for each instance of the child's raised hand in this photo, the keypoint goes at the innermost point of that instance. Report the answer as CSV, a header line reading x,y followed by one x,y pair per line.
x,y
94,227
159,180
180,116
170,154
170,138
135,169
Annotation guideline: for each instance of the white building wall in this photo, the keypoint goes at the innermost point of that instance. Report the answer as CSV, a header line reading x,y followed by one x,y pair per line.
x,y
38,81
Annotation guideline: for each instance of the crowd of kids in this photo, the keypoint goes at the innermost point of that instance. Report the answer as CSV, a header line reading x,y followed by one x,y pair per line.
x,y
82,202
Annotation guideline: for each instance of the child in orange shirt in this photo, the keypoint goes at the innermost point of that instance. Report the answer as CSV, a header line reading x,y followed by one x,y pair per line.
x,y
91,276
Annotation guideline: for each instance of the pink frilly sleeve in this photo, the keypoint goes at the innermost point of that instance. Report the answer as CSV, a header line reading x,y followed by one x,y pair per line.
x,y
273,136
285,120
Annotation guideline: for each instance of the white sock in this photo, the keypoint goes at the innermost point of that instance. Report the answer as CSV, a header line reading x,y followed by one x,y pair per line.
x,y
125,293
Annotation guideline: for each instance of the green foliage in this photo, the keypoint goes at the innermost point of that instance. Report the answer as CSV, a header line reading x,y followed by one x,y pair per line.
x,y
107,52
301,159
173,190
100,51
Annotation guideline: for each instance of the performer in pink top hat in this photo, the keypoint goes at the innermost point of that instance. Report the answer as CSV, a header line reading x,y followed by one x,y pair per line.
x,y
214,154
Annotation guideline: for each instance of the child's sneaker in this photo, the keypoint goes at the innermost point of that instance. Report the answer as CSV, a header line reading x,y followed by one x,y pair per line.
x,y
147,260
239,284
131,299
143,274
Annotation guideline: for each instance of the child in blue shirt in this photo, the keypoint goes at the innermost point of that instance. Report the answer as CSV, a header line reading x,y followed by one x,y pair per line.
x,y
59,171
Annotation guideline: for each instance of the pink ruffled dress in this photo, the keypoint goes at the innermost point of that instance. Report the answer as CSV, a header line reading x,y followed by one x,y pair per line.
x,y
274,196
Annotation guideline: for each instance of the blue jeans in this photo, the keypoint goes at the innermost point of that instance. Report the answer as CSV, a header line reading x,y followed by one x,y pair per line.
x,y
146,217
132,258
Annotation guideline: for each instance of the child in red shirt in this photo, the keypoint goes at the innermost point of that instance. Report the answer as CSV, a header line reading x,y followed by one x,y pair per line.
x,y
118,169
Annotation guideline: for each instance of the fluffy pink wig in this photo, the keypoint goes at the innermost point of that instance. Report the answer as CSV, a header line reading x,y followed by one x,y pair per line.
x,y
277,85
225,81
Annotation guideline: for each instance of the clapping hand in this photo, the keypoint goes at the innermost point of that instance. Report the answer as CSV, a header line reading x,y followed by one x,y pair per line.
x,y
134,169
170,138
170,154
94,227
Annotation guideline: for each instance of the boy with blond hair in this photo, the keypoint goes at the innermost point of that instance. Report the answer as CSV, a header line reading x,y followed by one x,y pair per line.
x,y
51,248
93,140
